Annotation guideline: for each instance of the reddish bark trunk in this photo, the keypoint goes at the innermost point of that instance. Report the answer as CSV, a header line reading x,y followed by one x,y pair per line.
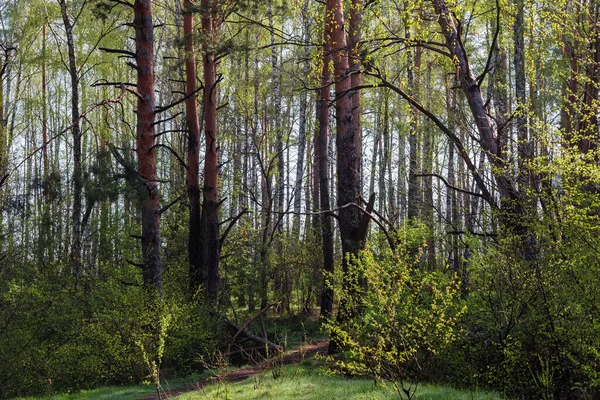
x,y
145,143
348,163
209,222
193,155
352,227
354,38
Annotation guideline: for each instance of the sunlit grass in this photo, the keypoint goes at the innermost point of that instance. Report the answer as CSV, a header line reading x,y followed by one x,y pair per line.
x,y
304,382
308,380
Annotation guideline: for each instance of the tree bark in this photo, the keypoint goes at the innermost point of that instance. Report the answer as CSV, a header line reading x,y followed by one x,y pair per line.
x,y
352,223
302,125
323,179
193,152
414,193
76,133
348,162
524,150
211,246
512,202
44,116
277,117
145,144
354,46
428,150
589,122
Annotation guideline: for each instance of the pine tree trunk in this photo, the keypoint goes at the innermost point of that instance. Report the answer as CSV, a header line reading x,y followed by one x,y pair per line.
x,y
211,246
193,153
145,144
348,161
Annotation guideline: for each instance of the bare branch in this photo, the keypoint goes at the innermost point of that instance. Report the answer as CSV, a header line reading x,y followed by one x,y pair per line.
x,y
118,51
441,178
231,225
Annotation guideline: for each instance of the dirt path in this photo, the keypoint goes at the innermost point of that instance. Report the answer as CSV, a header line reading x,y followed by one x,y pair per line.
x,y
292,357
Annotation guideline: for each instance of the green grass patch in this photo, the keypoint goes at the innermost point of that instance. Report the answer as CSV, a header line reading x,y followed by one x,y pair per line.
x,y
119,392
309,383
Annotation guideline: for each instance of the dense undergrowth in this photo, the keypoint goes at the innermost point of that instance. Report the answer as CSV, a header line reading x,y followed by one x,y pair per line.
x,y
528,329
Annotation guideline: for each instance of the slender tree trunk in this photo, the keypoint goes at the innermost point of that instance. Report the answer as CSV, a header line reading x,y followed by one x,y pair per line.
x,y
402,189
376,146
44,116
323,179
354,60
472,92
428,151
255,274
451,203
382,151
193,152
589,123
76,132
44,242
302,125
3,142
524,147
267,206
277,117
414,193
568,114
211,246
389,145
145,144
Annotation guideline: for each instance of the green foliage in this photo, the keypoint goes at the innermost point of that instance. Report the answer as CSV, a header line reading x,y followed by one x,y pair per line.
x,y
403,317
193,334
533,322
57,339
61,340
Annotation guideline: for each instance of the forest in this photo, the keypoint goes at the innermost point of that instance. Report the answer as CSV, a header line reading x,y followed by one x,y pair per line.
x,y
418,181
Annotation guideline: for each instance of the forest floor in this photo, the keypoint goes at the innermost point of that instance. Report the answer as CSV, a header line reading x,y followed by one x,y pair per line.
x,y
296,356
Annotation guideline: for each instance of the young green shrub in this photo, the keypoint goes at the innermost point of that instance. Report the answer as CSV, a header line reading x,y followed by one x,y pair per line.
x,y
403,316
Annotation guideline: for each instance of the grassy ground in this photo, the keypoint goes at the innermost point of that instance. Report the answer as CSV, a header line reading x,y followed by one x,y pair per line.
x,y
293,382
308,380
310,383
119,392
